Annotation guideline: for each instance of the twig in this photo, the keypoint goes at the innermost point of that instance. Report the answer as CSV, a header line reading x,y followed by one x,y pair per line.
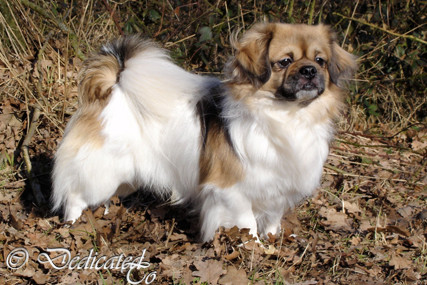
x,y
411,37
346,160
114,16
173,10
347,174
169,44
376,146
170,233
34,183
311,13
336,169
14,29
380,137
299,260
241,14
39,84
349,23
159,30
228,17
126,235
291,10
60,24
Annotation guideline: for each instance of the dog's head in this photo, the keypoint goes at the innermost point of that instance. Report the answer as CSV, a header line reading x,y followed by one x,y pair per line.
x,y
291,62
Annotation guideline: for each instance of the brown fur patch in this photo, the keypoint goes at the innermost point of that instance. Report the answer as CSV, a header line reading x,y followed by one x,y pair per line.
x,y
98,75
251,63
101,71
84,129
342,65
219,164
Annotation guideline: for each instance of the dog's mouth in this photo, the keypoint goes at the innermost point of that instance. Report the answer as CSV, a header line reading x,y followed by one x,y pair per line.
x,y
309,90
302,86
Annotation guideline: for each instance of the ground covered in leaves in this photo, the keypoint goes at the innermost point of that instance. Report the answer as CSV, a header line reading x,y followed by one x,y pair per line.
x,y
367,224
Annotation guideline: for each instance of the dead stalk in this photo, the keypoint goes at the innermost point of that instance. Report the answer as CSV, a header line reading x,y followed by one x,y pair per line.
x,y
34,183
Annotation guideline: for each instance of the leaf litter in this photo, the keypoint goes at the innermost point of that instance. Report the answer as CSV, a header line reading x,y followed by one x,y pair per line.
x,y
362,226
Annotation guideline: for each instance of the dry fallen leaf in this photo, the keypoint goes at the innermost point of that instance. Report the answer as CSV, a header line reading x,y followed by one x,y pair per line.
x,y
209,270
406,212
419,145
40,277
352,208
412,275
234,277
232,255
400,262
336,221
173,265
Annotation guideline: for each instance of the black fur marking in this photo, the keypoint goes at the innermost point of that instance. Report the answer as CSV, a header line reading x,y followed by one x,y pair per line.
x,y
210,109
125,48
283,93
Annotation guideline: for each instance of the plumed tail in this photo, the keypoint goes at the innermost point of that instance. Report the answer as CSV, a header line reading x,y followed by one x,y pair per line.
x,y
102,70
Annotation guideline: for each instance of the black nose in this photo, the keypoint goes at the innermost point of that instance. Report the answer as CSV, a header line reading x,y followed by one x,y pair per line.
x,y
308,71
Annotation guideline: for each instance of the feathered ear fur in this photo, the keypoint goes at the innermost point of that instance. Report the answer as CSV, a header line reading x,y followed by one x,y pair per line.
x,y
342,65
251,63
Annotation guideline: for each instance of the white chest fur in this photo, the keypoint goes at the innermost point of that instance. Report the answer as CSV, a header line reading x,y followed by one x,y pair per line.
x,y
282,153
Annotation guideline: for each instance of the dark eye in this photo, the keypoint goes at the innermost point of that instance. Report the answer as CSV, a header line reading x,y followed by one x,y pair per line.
x,y
284,62
320,61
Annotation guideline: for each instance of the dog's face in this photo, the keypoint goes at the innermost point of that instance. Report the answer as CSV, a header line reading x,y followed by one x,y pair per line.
x,y
291,62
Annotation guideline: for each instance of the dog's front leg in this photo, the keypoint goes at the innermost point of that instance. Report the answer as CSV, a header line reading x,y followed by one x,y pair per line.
x,y
225,208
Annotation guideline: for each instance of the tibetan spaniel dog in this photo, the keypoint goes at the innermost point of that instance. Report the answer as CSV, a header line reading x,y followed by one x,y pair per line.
x,y
242,151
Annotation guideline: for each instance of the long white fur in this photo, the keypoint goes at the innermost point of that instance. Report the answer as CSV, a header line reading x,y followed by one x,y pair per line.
x,y
283,152
152,134
151,138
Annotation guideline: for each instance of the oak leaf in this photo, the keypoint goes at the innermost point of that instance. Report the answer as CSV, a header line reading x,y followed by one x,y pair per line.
x,y
234,276
209,270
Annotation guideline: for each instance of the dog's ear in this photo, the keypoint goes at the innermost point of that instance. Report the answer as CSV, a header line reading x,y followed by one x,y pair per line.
x,y
251,63
342,64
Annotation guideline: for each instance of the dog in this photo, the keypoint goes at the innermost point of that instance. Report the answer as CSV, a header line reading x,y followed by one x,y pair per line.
x,y
241,151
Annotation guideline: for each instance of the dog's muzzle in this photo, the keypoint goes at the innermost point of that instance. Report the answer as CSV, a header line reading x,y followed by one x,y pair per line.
x,y
304,85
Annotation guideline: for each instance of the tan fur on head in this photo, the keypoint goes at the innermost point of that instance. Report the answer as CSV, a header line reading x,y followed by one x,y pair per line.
x,y
250,64
342,66
258,51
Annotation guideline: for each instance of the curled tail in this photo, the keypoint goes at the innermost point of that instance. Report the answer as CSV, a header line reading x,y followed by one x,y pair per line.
x,y
102,70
